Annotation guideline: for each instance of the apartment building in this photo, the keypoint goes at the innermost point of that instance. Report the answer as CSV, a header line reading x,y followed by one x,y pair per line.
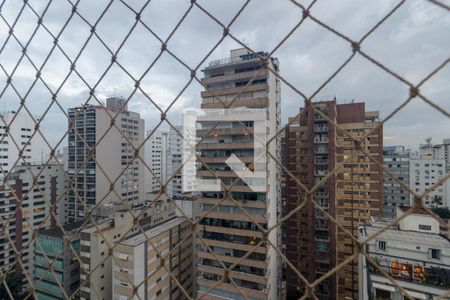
x,y
424,173
175,153
352,195
226,229
56,273
97,242
396,160
25,208
413,253
141,263
19,144
156,154
99,153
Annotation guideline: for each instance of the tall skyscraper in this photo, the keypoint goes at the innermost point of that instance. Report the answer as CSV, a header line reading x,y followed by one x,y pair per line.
x,y
91,131
314,147
396,160
156,154
227,230
18,145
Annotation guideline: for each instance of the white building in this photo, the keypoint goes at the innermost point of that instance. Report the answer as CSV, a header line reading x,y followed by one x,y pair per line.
x,y
97,242
110,174
413,253
20,222
424,173
16,136
156,155
175,153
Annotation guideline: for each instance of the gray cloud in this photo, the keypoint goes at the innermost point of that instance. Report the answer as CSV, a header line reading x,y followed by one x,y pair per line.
x,y
411,43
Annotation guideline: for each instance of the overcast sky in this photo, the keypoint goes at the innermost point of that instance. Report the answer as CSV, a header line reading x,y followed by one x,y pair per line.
x,y
412,42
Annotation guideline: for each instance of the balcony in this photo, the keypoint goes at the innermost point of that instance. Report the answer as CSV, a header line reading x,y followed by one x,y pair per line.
x,y
232,260
322,140
321,162
236,90
234,76
225,131
233,217
251,103
243,203
249,246
229,287
320,172
321,128
230,145
234,274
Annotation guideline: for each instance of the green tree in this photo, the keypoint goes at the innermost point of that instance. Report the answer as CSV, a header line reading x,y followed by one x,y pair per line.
x,y
442,212
15,283
436,200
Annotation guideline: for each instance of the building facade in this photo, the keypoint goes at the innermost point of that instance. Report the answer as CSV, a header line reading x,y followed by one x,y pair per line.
x,y
19,143
226,230
56,272
352,195
396,160
424,173
96,242
139,272
99,153
27,207
413,253
175,154
156,155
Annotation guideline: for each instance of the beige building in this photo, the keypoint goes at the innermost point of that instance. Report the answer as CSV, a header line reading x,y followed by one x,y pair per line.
x,y
96,242
90,128
140,273
226,229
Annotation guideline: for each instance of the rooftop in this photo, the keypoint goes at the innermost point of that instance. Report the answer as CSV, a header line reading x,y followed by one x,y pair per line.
x,y
152,232
57,232
236,56
407,236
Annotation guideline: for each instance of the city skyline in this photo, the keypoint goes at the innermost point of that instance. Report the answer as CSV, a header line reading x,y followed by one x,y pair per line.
x,y
224,150
306,67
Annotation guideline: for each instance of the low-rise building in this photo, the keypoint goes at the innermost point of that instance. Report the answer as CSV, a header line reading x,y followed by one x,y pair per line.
x,y
413,253
56,272
97,242
141,263
424,174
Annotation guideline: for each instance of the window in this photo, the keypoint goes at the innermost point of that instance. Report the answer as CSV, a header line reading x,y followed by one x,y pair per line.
x,y
382,245
435,253
424,227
